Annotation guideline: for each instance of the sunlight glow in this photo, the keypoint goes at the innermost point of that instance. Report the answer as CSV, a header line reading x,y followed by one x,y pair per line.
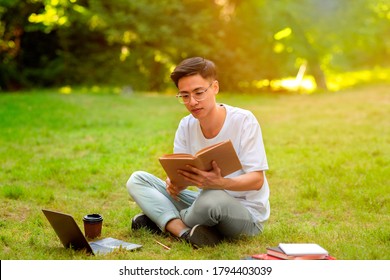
x,y
292,84
52,15
350,79
278,47
289,84
125,52
283,33
228,9
65,90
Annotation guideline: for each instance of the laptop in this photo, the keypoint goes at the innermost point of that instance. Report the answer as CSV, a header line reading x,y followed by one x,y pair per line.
x,y
71,236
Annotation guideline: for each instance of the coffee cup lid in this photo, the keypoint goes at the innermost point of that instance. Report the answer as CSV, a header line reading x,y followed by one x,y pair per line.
x,y
93,218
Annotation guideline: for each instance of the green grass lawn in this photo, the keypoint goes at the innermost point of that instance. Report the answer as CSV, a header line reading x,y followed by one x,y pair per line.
x,y
329,158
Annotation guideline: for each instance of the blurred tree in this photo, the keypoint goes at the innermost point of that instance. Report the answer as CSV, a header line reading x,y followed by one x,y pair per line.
x,y
362,35
331,35
247,52
125,42
13,25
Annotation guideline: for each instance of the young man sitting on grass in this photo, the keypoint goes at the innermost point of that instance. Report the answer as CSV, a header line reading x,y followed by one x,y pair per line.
x,y
223,207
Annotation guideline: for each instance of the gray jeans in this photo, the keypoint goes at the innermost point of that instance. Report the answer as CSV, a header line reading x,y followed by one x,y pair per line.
x,y
207,207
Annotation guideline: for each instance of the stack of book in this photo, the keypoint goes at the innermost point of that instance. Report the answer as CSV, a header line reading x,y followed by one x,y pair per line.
x,y
295,251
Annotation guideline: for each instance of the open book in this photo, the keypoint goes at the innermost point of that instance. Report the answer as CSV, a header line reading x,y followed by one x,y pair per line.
x,y
223,153
109,244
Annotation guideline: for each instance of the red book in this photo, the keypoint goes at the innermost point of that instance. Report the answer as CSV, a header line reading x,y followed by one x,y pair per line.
x,y
265,257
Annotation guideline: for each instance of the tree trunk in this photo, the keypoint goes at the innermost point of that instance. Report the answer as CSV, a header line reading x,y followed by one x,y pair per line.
x,y
319,76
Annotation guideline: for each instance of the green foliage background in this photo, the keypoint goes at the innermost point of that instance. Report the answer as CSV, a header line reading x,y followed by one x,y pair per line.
x,y
136,43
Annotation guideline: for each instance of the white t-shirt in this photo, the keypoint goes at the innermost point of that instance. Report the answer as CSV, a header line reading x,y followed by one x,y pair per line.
x,y
243,129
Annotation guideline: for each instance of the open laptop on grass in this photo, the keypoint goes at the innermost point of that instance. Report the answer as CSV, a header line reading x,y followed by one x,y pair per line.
x,y
71,236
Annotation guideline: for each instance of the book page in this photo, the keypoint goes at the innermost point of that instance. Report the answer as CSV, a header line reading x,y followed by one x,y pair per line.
x,y
204,150
181,156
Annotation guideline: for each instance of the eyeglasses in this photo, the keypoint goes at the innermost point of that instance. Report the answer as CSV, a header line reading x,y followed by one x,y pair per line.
x,y
198,95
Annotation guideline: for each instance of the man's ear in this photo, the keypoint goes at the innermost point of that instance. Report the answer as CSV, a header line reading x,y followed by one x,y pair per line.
x,y
216,86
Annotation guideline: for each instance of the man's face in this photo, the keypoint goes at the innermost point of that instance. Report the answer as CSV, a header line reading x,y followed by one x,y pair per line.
x,y
196,87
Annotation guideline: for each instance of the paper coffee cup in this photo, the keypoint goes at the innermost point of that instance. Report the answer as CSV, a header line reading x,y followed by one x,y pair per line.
x,y
93,225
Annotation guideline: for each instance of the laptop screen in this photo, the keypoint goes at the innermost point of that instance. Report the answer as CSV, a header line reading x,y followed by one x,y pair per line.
x,y
67,230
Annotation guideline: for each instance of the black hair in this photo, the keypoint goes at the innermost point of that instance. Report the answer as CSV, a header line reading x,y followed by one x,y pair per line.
x,y
193,66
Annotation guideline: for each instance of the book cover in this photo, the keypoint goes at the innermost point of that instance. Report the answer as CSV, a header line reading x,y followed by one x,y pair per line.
x,y
223,153
265,257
